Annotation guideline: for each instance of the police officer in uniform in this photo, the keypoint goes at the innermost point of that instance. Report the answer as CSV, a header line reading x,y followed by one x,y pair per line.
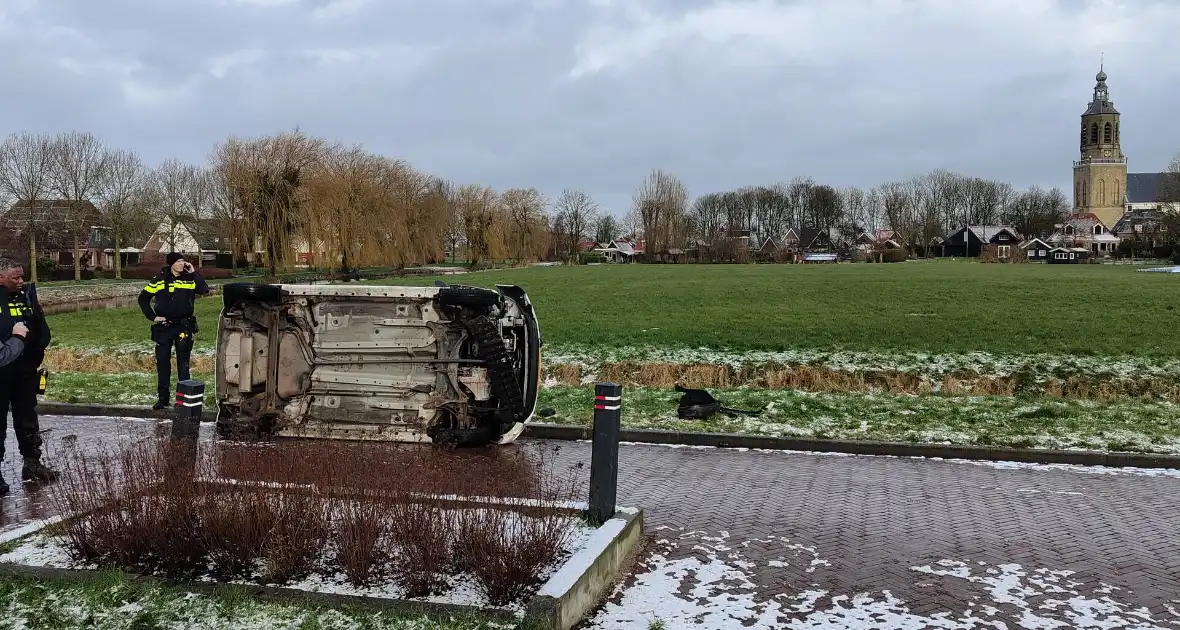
x,y
174,290
21,317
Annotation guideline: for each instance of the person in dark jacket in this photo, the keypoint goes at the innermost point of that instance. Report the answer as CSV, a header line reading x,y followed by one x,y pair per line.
x,y
174,290
21,316
11,350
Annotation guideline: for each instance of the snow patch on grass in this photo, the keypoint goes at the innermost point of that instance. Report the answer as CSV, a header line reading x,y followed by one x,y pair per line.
x,y
1042,365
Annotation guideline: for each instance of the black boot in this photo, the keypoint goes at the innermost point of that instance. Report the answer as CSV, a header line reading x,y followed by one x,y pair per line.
x,y
161,402
34,470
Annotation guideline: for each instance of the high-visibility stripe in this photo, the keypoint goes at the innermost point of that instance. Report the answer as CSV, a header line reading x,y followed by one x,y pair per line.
x,y
151,288
184,285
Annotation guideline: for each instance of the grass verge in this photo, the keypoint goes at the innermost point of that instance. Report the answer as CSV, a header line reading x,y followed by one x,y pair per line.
x,y
1033,422
116,601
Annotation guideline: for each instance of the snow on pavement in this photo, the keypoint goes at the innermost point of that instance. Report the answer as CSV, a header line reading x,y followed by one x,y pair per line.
x,y
715,587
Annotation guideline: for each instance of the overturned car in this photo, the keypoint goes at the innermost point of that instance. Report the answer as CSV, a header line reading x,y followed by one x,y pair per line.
x,y
452,365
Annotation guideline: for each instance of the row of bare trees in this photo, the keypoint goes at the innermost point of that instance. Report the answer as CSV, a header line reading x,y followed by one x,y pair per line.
x,y
283,194
918,210
275,195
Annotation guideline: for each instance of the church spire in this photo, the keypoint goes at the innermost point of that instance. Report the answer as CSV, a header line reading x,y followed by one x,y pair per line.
x,y
1101,92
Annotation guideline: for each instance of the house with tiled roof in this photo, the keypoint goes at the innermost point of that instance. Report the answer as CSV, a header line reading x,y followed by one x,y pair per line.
x,y
1086,231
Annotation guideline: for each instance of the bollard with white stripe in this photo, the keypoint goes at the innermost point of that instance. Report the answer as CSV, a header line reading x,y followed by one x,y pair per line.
x,y
604,452
186,416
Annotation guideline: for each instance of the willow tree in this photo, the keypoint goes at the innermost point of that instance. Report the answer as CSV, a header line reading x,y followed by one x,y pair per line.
x,y
341,202
264,178
483,222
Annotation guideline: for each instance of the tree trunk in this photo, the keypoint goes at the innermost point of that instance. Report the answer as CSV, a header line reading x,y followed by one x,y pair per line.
x,y
32,256
77,259
118,258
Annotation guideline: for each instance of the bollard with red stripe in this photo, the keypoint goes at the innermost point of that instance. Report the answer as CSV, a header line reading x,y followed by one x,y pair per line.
x,y
604,452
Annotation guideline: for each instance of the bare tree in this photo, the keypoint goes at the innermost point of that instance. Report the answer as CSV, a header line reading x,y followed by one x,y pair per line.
x,y
576,211
122,199
483,223
26,162
606,228
525,208
171,188
660,201
79,164
1169,192
1035,212
900,208
454,236
632,225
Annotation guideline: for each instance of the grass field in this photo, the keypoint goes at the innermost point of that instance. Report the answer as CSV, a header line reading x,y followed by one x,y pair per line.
x,y
925,307
1034,355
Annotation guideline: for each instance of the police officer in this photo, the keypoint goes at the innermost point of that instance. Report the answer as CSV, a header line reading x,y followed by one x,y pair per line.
x,y
21,317
173,324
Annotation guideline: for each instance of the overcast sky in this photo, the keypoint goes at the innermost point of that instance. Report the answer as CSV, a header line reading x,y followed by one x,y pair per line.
x,y
592,94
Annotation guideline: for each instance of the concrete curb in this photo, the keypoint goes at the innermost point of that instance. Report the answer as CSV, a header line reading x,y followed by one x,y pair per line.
x,y
582,581
50,408
850,447
734,440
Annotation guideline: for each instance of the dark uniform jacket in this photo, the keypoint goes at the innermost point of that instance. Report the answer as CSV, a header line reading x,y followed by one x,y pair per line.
x,y
174,296
22,306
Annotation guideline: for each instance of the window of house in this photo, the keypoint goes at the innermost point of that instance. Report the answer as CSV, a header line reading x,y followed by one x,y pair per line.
x,y
1004,250
1072,255
1107,133
1042,253
1069,230
1093,133
1097,230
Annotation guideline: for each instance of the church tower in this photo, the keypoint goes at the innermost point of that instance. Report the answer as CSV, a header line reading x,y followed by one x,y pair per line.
x,y
1100,174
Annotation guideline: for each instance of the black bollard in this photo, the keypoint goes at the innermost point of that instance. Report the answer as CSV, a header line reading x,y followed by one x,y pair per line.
x,y
604,452
186,422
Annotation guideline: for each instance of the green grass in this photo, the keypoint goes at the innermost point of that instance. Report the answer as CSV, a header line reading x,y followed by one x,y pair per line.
x,y
1033,422
130,388
115,601
1095,310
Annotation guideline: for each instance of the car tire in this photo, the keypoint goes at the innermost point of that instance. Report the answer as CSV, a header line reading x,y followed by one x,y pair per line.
x,y
250,292
467,296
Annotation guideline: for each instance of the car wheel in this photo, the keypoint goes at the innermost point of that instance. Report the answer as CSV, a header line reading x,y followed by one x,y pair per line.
x,y
250,292
467,296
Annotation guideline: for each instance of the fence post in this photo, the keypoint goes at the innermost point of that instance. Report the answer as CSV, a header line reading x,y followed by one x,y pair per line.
x,y
186,422
604,452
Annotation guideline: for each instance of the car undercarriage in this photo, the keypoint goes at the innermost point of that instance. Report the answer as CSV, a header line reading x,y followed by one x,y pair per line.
x,y
452,365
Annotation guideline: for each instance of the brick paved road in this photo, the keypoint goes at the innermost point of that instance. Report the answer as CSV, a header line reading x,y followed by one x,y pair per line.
x,y
758,539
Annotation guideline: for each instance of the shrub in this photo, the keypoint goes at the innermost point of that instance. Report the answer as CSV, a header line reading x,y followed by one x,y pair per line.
x,y
368,511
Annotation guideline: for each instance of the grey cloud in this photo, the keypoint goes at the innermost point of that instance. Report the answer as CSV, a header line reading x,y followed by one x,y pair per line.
x,y
844,91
